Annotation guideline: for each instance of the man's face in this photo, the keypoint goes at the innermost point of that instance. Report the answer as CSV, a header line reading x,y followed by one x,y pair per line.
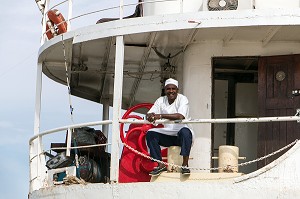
x,y
171,91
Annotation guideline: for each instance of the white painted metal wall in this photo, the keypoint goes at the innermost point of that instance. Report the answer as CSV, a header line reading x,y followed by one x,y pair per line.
x,y
197,72
264,4
168,7
184,6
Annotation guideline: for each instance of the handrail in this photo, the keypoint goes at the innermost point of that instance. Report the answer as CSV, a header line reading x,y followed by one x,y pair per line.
x,y
164,121
70,126
224,120
65,1
81,147
115,7
136,121
73,147
104,9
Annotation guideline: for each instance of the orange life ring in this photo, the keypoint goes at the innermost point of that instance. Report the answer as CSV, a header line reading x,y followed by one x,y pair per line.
x,y
57,19
50,30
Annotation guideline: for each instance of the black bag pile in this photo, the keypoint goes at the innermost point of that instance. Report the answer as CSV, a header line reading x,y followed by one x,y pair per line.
x,y
89,170
89,159
83,136
59,161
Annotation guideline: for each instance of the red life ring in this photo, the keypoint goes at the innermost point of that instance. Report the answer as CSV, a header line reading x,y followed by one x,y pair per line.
x,y
57,19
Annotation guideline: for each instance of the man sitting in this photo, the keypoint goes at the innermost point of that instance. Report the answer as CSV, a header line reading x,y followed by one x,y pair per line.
x,y
172,106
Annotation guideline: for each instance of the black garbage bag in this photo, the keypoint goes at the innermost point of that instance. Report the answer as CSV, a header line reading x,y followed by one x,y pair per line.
x,y
83,136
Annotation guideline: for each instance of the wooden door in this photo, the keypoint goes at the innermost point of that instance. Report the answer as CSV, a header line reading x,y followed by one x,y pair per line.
x,y
277,77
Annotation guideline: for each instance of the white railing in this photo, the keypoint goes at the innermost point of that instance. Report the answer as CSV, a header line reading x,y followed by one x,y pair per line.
x,y
70,127
38,155
167,6
70,17
37,159
181,6
226,120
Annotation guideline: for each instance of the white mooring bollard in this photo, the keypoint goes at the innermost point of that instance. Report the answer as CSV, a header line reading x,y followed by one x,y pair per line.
x,y
228,159
175,158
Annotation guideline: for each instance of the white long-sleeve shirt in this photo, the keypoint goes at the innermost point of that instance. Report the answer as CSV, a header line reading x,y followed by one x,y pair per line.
x,y
162,106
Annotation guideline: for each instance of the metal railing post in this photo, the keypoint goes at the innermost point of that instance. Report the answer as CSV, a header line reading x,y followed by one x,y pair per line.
x,y
181,6
121,9
70,13
117,106
37,165
44,22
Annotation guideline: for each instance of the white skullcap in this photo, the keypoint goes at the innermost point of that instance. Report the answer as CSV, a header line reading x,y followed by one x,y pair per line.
x,y
171,81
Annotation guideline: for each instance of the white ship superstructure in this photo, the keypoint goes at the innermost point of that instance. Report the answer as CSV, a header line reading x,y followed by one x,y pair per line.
x,y
238,62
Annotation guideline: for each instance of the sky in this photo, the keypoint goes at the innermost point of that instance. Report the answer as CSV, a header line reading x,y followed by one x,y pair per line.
x,y
20,35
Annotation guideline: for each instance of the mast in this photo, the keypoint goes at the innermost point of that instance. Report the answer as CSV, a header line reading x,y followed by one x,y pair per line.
x,y
117,104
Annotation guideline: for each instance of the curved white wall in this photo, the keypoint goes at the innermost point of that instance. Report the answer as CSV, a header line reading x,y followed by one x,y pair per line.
x,y
168,7
261,4
197,72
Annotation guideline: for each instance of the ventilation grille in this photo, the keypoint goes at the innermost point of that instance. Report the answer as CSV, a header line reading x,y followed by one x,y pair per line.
x,y
217,5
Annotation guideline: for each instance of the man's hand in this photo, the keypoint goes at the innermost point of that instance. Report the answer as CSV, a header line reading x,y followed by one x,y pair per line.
x,y
151,117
